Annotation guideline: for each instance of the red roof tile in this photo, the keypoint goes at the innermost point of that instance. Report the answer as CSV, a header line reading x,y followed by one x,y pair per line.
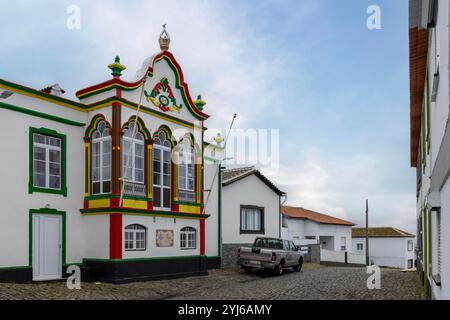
x,y
301,213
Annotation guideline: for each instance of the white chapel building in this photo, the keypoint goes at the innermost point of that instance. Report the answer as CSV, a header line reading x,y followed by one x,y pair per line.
x,y
66,162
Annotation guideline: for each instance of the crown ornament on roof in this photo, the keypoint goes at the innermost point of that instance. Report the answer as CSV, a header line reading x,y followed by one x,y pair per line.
x,y
164,39
116,67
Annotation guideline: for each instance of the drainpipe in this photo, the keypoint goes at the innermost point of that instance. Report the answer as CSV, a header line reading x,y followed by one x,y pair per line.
x,y
284,195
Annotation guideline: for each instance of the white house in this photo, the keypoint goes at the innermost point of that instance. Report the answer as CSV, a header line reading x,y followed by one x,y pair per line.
x,y
429,36
388,247
304,227
250,208
65,163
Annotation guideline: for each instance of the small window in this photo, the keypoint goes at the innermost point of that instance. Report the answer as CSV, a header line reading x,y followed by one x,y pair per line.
x,y
284,221
252,219
135,238
410,263
343,244
188,238
186,172
410,245
310,237
359,247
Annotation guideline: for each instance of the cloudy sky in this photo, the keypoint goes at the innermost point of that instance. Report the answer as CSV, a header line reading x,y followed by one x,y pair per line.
x,y
337,91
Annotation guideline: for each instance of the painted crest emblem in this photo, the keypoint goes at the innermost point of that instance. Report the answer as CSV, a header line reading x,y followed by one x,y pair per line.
x,y
162,97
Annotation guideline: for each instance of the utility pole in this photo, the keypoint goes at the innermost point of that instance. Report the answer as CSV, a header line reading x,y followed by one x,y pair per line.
x,y
367,233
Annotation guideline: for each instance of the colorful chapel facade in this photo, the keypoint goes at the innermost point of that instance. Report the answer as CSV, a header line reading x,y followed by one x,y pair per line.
x,y
66,164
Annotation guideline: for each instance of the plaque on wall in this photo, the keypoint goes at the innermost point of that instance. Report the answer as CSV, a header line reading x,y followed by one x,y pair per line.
x,y
164,238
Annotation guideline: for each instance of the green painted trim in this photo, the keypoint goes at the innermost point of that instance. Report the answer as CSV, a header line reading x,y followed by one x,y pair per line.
x,y
52,133
15,268
184,203
126,103
219,232
143,259
41,94
143,212
40,114
30,234
110,196
430,257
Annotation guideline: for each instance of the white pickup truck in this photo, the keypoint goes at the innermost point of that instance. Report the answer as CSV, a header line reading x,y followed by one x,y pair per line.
x,y
270,253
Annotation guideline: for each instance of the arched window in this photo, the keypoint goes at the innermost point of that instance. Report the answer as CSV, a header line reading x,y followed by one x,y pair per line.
x,y
186,172
133,161
162,172
188,238
135,238
101,159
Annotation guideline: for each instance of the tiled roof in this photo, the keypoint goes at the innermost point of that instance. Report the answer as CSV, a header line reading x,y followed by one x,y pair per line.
x,y
302,213
232,175
382,232
418,52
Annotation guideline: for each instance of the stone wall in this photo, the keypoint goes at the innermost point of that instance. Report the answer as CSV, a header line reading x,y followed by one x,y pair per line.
x,y
229,254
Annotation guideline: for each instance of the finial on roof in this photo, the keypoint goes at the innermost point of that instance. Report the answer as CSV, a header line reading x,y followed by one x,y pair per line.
x,y
116,67
199,103
218,139
164,39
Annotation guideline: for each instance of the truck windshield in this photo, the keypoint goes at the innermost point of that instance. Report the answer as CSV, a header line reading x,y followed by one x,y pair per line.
x,y
268,243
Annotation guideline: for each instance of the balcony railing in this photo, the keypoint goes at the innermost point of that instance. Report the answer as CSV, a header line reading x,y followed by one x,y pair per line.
x,y
134,189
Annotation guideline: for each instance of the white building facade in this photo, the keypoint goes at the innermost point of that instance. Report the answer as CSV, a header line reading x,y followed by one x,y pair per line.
x,y
63,172
306,227
388,247
430,139
250,208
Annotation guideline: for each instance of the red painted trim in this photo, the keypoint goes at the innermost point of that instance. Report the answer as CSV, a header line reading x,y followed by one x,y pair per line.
x,y
149,205
115,236
118,81
86,204
202,237
116,154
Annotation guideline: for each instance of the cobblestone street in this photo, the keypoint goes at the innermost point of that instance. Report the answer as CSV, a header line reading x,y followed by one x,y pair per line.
x,y
313,282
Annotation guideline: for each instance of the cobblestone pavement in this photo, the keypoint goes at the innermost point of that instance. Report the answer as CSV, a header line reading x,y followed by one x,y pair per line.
x,y
313,282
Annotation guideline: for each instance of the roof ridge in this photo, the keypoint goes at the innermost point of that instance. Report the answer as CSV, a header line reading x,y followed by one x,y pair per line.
x,y
240,169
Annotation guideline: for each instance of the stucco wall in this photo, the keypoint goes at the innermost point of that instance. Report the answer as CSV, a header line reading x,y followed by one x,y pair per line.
x,y
248,191
387,252
298,229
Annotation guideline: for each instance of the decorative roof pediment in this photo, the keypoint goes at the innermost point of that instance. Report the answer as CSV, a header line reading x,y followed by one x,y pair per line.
x,y
164,89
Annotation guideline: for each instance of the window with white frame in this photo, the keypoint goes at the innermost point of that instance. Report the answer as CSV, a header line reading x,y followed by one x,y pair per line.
x,y
359,246
162,171
343,244
135,238
188,238
47,161
252,219
133,155
186,172
410,245
101,159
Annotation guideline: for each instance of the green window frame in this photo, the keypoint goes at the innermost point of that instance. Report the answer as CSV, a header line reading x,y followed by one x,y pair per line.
x,y
54,134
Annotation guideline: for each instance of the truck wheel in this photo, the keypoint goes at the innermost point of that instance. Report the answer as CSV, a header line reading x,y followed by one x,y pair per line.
x,y
278,271
299,266
247,269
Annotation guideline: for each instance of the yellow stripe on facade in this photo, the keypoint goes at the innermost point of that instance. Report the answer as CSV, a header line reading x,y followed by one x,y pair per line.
x,y
189,209
134,204
99,203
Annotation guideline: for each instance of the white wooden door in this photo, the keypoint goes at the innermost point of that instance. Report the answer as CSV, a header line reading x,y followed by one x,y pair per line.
x,y
47,247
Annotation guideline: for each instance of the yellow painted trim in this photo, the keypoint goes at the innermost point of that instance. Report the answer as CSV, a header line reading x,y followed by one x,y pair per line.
x,y
111,86
157,115
150,171
135,204
199,185
189,209
25,93
175,177
144,215
87,146
99,203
